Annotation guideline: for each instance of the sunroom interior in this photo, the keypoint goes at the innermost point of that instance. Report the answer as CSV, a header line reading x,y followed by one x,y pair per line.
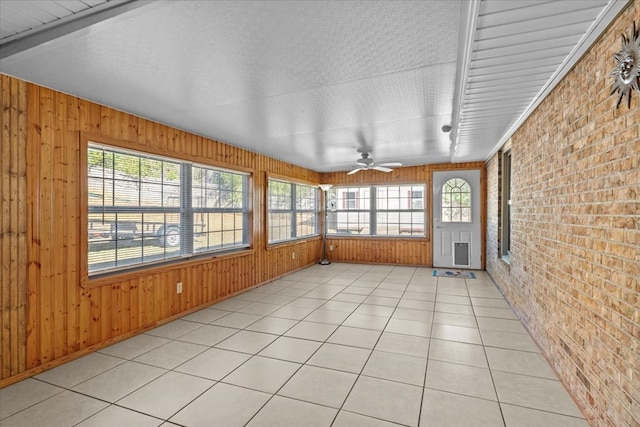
x,y
320,213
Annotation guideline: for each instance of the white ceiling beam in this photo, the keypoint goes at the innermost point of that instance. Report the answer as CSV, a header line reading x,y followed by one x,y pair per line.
x,y
466,38
67,25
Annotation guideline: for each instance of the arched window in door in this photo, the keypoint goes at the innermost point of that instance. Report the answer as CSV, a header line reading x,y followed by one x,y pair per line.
x,y
456,201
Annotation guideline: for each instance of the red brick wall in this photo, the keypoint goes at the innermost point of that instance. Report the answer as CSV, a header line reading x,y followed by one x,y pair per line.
x,y
575,256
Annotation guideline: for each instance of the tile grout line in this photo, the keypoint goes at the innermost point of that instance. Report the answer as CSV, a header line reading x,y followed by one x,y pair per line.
x,y
297,370
426,367
303,364
484,351
375,345
368,358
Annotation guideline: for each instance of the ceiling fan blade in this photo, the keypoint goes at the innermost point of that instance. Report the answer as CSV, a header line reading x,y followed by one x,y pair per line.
x,y
354,171
391,165
381,168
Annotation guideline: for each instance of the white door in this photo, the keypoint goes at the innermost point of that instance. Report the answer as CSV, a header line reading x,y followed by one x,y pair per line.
x,y
456,219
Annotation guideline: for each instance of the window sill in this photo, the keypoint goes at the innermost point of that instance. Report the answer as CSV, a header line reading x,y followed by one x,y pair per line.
x,y
506,259
107,279
293,242
368,236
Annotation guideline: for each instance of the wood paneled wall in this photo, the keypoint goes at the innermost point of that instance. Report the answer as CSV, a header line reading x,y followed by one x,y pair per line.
x,y
408,250
47,316
13,207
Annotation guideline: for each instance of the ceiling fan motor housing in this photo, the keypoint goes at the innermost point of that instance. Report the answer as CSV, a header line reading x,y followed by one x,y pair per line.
x,y
365,160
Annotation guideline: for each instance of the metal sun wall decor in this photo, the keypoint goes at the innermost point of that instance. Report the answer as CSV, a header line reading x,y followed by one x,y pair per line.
x,y
627,70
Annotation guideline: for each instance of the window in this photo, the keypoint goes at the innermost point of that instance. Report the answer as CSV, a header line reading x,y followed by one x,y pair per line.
x,y
396,212
145,209
218,203
456,201
505,246
349,200
293,210
417,200
380,210
353,215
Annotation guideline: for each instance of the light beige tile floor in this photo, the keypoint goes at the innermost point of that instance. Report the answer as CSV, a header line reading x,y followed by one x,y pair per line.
x,y
336,345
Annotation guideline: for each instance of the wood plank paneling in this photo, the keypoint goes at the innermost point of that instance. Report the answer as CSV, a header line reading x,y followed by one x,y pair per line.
x,y
21,289
34,133
13,226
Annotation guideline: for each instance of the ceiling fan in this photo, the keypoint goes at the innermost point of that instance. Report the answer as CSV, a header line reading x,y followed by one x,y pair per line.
x,y
366,163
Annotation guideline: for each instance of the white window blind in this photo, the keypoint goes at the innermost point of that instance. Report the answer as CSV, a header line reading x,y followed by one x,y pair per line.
x,y
293,210
146,209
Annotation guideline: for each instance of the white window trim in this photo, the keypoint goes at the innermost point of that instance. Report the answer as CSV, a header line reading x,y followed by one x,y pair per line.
x,y
184,209
505,205
372,210
294,211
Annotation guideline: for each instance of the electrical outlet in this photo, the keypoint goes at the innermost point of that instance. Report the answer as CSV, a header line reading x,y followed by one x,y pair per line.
x,y
179,288
330,247
293,255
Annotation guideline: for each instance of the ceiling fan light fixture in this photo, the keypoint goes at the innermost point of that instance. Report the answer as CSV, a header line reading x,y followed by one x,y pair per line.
x,y
365,160
366,163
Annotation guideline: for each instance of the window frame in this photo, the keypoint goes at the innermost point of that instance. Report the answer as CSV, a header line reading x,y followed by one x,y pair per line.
x,y
350,203
371,209
413,198
243,210
293,210
468,207
506,195
90,278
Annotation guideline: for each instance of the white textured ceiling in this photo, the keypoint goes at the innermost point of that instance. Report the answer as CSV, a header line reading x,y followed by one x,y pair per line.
x,y
311,82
